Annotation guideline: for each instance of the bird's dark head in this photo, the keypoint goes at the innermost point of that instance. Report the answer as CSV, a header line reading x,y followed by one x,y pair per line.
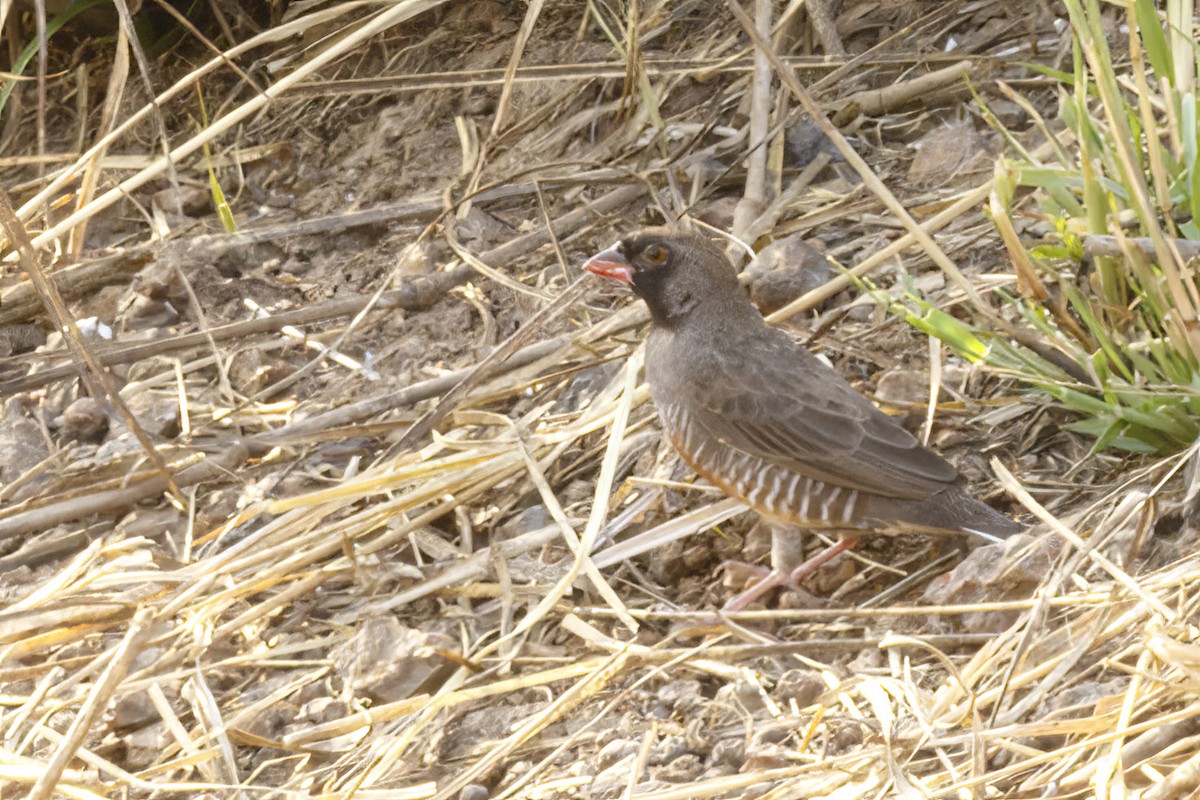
x,y
674,271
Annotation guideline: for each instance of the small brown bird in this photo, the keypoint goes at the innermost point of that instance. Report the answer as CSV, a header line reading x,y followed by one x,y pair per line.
x,y
772,425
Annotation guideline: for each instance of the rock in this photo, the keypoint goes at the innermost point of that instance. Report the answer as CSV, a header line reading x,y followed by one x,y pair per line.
x,y
1009,114
950,155
22,338
22,445
191,201
610,782
681,696
729,753
615,751
516,772
802,685
481,229
1007,570
688,767
906,386
145,745
666,750
387,661
85,420
134,710
845,736
528,519
474,791
766,756
784,270
805,141
157,412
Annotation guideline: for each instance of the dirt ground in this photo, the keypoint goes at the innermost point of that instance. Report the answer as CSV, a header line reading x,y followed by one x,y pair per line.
x,y
335,611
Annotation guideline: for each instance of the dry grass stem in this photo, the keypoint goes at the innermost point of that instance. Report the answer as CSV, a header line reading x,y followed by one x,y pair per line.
x,y
424,538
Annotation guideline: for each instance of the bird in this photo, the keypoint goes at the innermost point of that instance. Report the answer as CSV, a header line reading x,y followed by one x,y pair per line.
x,y
769,423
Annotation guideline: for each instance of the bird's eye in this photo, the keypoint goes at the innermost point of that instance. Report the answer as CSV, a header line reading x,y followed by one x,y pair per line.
x,y
656,254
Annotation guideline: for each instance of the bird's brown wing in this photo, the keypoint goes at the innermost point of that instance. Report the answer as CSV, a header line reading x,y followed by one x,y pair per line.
x,y
769,397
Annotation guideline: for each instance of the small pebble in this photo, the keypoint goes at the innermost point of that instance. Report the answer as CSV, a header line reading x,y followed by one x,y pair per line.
x,y
846,736
474,791
614,751
784,270
686,768
667,750
729,752
766,756
84,420
680,696
802,685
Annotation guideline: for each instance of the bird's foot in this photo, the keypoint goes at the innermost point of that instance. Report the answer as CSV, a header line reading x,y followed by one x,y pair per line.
x,y
766,580
790,579
844,543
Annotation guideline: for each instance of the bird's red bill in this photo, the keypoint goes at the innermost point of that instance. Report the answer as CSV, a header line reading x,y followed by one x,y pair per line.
x,y
610,263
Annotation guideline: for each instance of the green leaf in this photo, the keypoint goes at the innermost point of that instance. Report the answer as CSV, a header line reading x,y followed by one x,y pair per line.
x,y
1154,41
52,27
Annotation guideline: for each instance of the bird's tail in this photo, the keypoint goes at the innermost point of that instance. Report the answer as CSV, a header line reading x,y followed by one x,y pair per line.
x,y
953,510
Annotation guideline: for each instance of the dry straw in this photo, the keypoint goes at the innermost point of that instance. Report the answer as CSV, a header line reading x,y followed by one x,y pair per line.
x,y
1087,686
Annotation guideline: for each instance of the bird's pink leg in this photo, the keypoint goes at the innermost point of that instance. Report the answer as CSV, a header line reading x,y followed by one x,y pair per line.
x,y
778,578
847,541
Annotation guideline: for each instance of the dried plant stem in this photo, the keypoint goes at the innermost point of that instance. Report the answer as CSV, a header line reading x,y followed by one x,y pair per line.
x,y
414,295
393,15
788,76
422,427
1009,481
96,700
94,374
754,199
821,16
1101,245
882,101
113,501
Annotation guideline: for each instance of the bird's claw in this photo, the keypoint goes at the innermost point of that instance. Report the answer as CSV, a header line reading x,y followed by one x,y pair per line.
x,y
767,580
